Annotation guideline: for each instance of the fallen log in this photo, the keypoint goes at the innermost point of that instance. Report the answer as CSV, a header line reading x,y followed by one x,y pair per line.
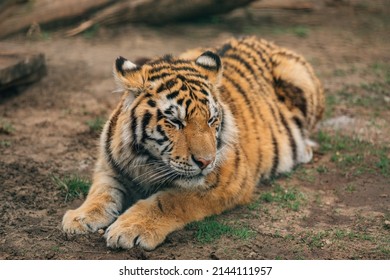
x,y
20,15
19,67
43,12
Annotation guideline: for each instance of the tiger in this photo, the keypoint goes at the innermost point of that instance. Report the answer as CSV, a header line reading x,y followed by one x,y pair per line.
x,y
193,135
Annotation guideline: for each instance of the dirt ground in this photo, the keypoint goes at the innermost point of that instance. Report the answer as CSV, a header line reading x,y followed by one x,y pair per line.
x,y
337,207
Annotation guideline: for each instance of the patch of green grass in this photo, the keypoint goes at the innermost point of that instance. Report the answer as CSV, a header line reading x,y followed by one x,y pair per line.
x,y
209,230
351,235
347,160
286,198
317,240
339,72
382,69
365,95
383,162
339,143
6,127
384,250
96,125
331,102
254,205
74,186
91,32
301,31
322,169
5,143
377,87
350,188
349,152
318,199
306,174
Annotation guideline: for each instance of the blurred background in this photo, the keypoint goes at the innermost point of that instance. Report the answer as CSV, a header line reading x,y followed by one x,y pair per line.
x,y
56,92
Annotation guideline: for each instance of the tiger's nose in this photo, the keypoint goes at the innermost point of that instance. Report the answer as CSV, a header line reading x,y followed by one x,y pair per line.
x,y
202,162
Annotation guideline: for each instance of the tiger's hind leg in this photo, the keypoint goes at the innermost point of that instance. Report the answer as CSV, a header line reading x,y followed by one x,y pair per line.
x,y
298,89
297,86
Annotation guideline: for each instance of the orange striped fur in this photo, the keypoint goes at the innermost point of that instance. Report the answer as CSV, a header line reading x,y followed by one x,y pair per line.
x,y
193,135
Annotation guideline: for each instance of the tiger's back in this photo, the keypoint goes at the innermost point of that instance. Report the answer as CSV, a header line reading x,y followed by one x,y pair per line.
x,y
276,100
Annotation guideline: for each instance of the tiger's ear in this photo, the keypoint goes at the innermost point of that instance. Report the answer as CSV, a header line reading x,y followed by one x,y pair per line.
x,y
212,64
128,75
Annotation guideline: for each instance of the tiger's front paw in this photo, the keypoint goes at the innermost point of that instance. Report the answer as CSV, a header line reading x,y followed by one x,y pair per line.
x,y
129,231
82,220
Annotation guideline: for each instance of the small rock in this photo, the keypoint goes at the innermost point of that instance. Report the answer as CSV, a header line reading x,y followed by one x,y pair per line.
x,y
101,231
252,255
213,256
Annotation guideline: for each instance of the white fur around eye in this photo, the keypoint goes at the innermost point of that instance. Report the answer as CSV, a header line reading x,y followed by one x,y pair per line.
x,y
206,61
128,65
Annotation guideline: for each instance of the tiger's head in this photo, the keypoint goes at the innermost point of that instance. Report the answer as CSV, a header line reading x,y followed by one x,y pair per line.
x,y
178,129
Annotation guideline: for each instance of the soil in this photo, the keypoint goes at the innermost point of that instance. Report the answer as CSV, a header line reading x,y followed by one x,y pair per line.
x,y
343,210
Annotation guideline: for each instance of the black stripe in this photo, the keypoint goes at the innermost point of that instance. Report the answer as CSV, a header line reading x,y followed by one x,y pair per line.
x,y
193,95
222,50
165,149
241,91
204,101
185,68
238,71
274,114
161,131
291,139
161,88
275,160
173,95
196,82
160,205
252,61
229,101
299,124
159,76
160,141
222,125
144,123
236,164
180,101
293,93
188,103
134,121
157,68
243,62
160,115
204,92
170,83
151,103
110,158
258,52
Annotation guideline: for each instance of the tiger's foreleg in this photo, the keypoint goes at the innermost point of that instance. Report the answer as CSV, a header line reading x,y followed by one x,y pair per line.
x,y
149,221
102,206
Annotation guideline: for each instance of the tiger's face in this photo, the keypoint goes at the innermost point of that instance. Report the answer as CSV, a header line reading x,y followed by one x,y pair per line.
x,y
177,127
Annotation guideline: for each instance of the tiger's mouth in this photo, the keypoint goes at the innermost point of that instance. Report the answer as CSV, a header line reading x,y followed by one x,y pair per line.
x,y
163,173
